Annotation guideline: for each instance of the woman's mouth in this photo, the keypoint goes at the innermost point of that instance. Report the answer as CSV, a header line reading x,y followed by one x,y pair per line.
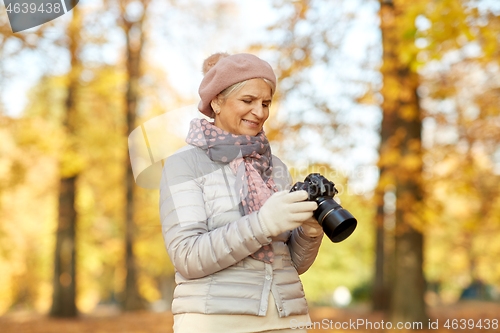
x,y
251,123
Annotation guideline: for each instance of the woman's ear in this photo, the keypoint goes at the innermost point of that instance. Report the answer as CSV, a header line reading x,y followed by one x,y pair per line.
x,y
215,104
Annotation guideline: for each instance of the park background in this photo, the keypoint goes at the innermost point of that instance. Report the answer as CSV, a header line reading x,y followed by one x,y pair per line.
x,y
396,101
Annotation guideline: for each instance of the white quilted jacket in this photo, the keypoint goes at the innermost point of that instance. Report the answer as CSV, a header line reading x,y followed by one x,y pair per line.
x,y
209,242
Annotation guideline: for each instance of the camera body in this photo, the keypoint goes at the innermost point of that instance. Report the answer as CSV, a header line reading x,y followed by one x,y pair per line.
x,y
337,223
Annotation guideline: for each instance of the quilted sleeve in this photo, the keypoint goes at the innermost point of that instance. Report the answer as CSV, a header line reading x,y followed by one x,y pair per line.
x,y
195,251
303,249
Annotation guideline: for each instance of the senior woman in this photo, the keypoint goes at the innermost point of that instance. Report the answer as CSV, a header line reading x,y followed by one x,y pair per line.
x,y
237,238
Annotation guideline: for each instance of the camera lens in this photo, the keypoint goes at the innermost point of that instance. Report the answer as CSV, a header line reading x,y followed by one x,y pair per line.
x,y
337,223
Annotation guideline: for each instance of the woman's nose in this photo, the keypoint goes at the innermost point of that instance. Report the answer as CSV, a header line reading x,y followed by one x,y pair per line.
x,y
258,111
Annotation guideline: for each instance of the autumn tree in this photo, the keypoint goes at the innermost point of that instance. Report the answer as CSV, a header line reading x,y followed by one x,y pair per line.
x,y
401,152
71,164
461,101
133,26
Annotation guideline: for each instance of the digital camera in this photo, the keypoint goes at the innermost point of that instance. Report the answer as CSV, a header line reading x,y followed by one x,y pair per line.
x,y
337,223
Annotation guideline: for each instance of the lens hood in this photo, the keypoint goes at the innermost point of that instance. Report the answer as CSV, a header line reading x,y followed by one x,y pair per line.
x,y
337,223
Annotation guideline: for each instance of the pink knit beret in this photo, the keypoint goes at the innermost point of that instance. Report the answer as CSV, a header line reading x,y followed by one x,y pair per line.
x,y
228,71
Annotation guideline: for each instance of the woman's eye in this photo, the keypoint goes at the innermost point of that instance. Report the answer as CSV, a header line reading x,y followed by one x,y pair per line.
x,y
248,102
265,105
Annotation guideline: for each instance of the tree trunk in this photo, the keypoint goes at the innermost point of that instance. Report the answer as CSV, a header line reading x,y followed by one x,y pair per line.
x,y
401,152
383,262
409,287
380,298
63,297
64,282
381,286
135,41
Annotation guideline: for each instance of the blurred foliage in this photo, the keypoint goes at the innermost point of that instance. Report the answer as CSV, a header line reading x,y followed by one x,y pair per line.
x,y
457,58
459,96
100,199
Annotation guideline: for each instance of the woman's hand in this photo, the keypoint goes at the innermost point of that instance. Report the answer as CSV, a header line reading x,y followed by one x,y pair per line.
x,y
311,228
285,211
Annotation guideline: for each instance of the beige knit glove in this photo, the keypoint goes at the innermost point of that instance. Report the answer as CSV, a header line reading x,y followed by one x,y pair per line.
x,y
285,211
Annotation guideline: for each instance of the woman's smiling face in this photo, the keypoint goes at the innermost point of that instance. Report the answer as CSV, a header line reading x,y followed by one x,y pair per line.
x,y
245,111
